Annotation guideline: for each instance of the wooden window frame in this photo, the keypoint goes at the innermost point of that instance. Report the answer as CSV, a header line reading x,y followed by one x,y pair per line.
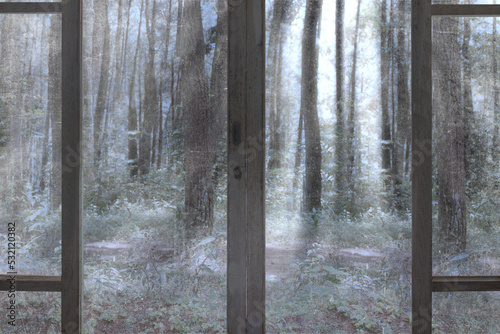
x,y
423,283
246,157
70,281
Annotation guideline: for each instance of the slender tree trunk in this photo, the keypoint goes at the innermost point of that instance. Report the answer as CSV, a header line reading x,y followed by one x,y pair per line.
x,y
496,99
298,157
45,151
132,108
118,70
309,101
54,108
467,95
384,95
198,191
275,50
452,224
340,131
150,96
403,109
163,88
351,121
102,98
218,87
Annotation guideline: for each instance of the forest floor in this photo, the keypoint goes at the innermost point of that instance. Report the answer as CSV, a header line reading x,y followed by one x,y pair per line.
x,y
281,269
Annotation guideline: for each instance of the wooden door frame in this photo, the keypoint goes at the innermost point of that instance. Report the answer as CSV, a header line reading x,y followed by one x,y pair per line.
x,y
423,283
70,282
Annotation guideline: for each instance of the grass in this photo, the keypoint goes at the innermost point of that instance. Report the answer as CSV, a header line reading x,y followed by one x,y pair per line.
x,y
322,290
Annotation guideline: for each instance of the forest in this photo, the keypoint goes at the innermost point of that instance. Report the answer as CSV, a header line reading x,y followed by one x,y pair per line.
x,y
338,165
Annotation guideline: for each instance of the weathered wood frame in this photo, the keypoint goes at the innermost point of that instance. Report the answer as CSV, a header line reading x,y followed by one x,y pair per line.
x,y
423,283
246,157
70,282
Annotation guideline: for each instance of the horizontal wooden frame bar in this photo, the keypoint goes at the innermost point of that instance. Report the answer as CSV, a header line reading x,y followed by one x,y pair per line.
x,y
31,283
30,7
465,283
466,10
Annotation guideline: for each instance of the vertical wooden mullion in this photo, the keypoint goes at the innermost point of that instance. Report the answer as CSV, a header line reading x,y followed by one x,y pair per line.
x,y
237,176
255,122
246,157
71,289
421,83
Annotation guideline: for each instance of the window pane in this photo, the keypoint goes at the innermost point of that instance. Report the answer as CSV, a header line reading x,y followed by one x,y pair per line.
x,y
30,148
466,107
30,312
344,268
154,152
466,312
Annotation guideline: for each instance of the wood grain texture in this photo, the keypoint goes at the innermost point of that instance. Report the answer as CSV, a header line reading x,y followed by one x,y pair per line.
x,y
466,10
465,283
30,7
31,283
246,157
421,103
255,151
237,176
72,282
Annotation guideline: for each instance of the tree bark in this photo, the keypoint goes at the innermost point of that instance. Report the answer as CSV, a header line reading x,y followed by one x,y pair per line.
x,y
403,109
496,99
467,95
340,131
54,108
132,108
351,121
198,204
150,95
384,95
309,100
275,51
452,224
218,87
102,98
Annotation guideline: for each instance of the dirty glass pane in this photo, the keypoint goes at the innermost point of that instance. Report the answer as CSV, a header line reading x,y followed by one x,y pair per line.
x,y
30,312
154,219
466,312
466,236
30,130
343,267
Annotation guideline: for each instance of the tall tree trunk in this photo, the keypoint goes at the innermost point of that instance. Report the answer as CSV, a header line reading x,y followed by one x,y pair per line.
x,y
309,106
496,99
467,95
218,86
351,121
102,98
275,51
132,108
198,204
150,95
452,224
54,108
340,131
384,95
403,109
163,88
118,69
